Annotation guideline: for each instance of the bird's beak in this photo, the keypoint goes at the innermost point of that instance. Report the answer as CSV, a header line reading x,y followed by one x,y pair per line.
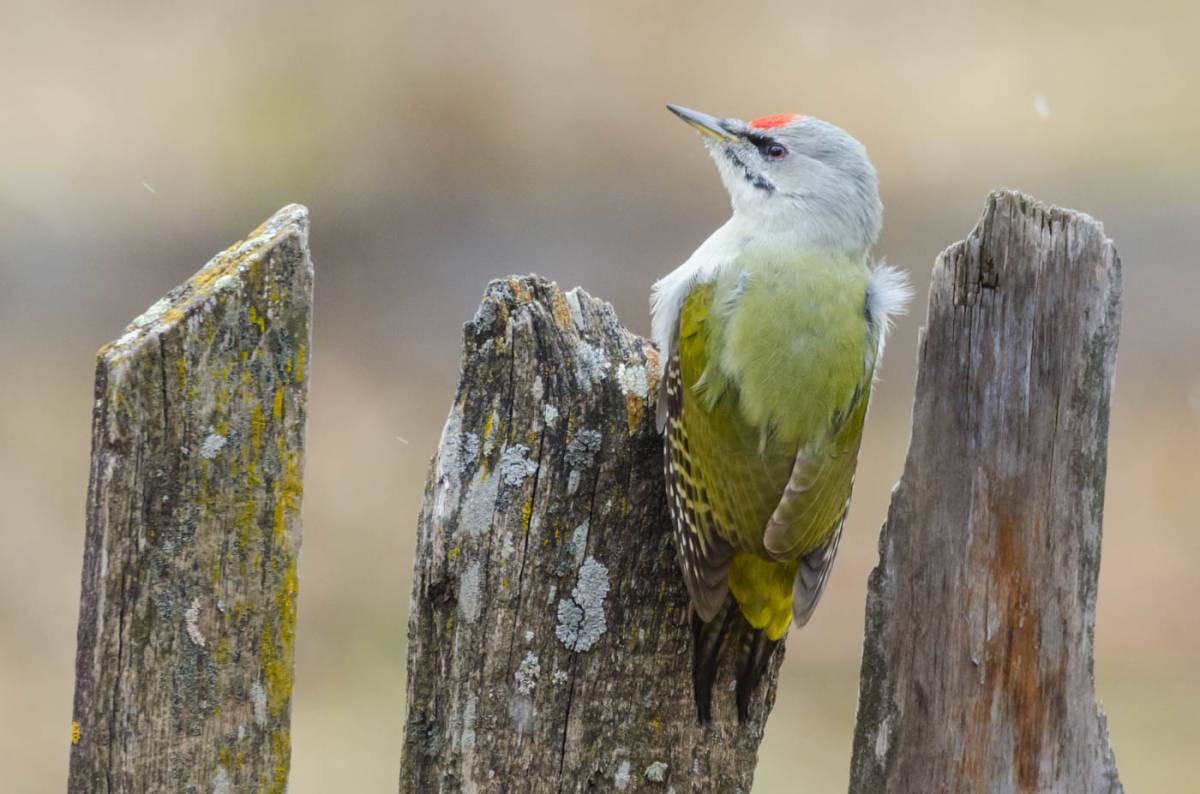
x,y
705,124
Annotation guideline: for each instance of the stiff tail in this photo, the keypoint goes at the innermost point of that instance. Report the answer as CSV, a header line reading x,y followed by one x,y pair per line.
x,y
752,653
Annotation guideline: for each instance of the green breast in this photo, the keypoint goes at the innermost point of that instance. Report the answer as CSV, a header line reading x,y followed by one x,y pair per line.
x,y
788,331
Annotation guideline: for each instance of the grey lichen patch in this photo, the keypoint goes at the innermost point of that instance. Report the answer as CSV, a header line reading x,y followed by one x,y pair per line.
x,y
621,778
581,451
156,310
468,722
258,701
633,380
591,365
470,446
514,465
581,620
527,673
559,677
550,415
656,772
191,620
450,466
479,504
572,297
227,281
220,783
212,446
468,593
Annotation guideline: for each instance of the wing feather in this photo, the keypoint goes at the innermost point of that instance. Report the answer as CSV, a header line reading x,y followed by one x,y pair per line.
x,y
704,556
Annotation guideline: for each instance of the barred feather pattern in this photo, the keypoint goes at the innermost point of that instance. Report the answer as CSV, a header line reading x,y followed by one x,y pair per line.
x,y
704,556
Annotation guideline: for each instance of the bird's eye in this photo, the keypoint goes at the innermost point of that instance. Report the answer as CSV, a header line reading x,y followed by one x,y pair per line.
x,y
775,151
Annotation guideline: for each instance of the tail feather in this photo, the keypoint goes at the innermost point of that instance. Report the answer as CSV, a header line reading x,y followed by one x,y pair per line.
x,y
708,639
752,654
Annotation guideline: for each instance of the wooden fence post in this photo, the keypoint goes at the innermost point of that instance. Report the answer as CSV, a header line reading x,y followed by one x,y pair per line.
x,y
977,662
549,649
188,607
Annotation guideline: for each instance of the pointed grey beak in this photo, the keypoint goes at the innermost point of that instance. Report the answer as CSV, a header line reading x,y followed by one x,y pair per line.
x,y
705,124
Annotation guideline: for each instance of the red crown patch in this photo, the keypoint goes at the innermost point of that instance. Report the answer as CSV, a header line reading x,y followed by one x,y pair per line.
x,y
773,121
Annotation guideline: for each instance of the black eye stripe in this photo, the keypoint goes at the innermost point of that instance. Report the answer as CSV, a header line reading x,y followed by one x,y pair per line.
x,y
763,143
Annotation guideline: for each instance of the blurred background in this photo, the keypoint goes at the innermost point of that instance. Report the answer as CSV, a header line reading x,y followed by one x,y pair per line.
x,y
439,145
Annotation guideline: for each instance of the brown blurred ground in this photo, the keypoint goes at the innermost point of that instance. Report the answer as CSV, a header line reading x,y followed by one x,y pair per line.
x,y
439,145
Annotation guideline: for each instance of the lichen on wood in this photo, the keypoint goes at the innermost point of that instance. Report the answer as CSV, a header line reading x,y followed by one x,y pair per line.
x,y
188,606
977,662
549,649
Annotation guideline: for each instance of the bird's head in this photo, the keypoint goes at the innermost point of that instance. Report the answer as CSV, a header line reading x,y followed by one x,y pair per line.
x,y
795,174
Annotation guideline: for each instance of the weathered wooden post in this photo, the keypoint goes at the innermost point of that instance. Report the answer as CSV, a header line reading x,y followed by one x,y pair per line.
x,y
188,608
549,649
977,663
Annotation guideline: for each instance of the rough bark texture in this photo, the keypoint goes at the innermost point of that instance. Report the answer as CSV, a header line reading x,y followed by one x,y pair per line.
x,y
977,663
549,649
188,607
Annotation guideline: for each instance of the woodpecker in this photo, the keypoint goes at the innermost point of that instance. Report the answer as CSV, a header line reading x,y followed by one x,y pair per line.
x,y
770,334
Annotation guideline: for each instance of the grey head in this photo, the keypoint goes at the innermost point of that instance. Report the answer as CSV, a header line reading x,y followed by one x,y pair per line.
x,y
795,175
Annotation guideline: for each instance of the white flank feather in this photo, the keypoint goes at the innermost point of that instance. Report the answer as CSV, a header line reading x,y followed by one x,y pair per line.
x,y
888,294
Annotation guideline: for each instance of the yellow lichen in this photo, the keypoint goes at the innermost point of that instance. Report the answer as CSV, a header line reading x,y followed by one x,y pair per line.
x,y
652,368
277,404
277,647
634,406
298,373
244,524
519,290
258,423
76,732
172,315
257,320
453,553
562,314
289,489
281,756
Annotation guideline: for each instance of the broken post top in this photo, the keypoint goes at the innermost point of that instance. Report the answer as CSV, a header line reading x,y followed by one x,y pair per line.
x,y
222,272
183,676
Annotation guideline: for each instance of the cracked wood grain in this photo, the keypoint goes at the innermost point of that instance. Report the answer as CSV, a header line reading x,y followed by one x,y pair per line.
x,y
977,661
183,673
549,649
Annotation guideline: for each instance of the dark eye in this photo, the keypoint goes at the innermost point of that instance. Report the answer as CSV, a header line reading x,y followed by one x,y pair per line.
x,y
775,151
